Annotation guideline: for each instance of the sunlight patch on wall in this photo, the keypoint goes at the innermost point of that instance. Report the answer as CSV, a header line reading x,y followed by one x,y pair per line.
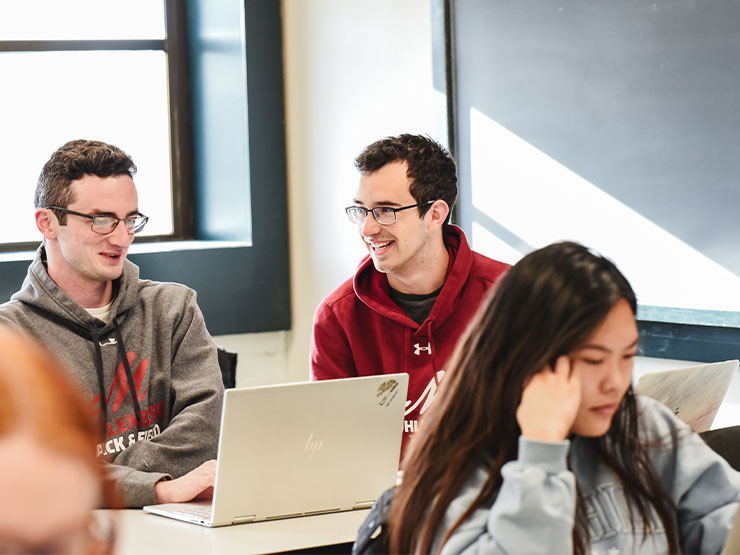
x,y
524,199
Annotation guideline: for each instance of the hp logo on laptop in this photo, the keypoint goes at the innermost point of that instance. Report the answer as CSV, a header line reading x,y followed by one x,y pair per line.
x,y
312,446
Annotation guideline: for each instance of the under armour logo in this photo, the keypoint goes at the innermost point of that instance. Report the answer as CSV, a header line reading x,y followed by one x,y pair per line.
x,y
418,349
110,341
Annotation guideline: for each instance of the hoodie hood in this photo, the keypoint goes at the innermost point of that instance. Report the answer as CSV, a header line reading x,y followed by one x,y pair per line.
x,y
42,295
41,292
359,331
371,286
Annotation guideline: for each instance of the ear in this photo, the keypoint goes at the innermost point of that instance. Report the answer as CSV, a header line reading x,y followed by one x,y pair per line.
x,y
46,222
437,214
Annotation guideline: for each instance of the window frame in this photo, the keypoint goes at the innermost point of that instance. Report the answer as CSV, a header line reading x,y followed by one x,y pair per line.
x,y
174,45
243,286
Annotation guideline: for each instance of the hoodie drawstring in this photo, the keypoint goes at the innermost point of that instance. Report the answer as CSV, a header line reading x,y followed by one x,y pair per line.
x,y
432,349
99,367
406,341
129,377
94,335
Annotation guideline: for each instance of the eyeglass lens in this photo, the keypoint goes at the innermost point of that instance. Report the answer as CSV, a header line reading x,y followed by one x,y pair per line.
x,y
356,214
105,224
383,214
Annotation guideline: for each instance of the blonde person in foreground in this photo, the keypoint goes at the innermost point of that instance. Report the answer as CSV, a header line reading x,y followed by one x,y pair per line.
x,y
537,443
50,480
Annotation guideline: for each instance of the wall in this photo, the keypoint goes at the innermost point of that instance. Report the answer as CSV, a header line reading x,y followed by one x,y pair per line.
x,y
622,120
354,72
261,357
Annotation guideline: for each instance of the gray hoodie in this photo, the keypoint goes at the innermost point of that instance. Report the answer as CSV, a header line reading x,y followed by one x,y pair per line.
x,y
535,507
171,425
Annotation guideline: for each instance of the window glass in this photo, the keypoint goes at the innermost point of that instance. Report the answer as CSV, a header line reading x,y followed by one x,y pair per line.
x,y
81,19
51,95
49,98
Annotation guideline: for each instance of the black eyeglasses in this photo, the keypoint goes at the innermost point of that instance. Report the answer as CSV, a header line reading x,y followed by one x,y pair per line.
x,y
104,225
384,215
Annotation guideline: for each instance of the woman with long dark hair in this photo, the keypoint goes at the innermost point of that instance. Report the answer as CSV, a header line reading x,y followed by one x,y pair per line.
x,y
536,442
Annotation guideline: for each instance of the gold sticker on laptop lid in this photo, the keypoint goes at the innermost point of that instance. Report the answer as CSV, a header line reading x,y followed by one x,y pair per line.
x,y
387,391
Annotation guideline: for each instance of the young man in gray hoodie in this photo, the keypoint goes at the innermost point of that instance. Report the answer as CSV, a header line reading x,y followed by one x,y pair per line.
x,y
139,349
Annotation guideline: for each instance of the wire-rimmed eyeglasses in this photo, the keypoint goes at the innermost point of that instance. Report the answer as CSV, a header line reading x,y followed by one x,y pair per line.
x,y
104,225
384,215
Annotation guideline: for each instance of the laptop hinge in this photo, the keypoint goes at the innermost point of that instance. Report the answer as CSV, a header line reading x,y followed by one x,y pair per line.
x,y
363,504
322,511
288,515
243,519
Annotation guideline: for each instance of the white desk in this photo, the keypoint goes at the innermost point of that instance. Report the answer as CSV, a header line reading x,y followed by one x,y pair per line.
x,y
140,532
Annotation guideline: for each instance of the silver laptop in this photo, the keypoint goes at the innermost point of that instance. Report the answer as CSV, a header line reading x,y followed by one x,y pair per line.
x,y
693,393
301,449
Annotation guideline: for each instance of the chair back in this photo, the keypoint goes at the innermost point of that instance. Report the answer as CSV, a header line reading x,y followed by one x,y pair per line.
x,y
227,364
726,442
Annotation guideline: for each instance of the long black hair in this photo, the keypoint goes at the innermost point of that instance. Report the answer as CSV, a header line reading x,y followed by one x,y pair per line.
x,y
547,305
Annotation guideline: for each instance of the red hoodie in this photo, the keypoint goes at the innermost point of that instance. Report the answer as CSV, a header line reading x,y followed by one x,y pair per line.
x,y
359,331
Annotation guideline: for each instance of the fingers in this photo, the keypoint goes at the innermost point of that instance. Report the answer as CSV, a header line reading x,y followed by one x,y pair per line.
x,y
206,468
198,483
549,402
204,495
202,477
563,367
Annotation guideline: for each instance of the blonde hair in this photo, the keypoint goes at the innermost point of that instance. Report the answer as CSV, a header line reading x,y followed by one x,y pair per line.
x,y
39,400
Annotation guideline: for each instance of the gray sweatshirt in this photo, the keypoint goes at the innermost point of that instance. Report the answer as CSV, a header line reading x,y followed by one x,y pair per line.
x,y
171,424
534,511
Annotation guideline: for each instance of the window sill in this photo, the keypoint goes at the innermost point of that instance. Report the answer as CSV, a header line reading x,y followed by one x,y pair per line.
x,y
695,317
173,246
142,248
226,275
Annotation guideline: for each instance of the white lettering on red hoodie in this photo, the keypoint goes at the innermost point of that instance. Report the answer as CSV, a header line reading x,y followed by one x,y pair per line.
x,y
359,331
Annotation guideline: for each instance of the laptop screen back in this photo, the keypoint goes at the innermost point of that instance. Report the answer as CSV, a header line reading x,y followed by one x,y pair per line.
x,y
693,393
295,449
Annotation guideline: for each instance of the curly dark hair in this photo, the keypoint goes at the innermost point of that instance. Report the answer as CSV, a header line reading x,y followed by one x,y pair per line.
x,y
70,162
430,166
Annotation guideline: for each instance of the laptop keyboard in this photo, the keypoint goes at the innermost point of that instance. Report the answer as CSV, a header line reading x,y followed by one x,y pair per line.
x,y
203,512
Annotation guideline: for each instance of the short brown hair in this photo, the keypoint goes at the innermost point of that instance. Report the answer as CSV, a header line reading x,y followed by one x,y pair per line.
x,y
430,166
71,162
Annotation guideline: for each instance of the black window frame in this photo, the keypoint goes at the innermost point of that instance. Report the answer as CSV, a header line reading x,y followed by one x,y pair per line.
x,y
242,286
175,47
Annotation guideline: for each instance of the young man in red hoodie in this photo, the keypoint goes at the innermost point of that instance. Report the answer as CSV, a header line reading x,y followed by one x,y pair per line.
x,y
413,296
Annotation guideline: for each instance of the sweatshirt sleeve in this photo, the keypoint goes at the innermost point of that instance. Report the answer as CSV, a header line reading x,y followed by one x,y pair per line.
x,y
331,356
133,488
538,493
191,436
705,488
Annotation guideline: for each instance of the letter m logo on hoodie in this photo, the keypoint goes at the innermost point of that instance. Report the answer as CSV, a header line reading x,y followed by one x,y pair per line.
x,y
120,386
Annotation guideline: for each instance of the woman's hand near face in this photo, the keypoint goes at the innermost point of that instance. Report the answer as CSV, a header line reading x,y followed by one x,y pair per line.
x,y
550,403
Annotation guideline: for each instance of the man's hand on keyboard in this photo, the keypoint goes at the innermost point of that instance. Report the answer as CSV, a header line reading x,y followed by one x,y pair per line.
x,y
196,484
